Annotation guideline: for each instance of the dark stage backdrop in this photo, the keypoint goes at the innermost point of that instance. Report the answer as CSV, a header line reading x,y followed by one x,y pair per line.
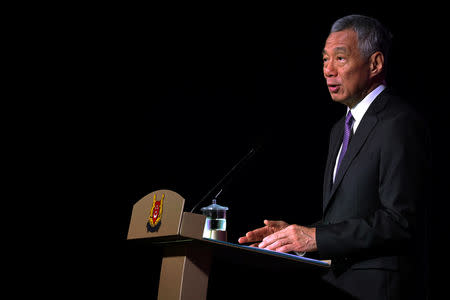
x,y
187,93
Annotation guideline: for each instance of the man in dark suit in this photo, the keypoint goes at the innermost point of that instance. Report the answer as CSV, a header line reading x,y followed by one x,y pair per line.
x,y
375,178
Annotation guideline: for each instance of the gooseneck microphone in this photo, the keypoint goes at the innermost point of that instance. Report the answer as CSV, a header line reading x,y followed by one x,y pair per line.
x,y
226,179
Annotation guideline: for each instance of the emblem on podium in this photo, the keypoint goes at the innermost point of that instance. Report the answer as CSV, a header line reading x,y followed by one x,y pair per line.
x,y
154,219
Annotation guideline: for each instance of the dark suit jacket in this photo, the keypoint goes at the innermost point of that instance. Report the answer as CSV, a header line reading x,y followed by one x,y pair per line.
x,y
370,213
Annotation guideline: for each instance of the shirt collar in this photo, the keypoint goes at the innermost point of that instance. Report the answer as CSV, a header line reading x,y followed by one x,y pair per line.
x,y
360,109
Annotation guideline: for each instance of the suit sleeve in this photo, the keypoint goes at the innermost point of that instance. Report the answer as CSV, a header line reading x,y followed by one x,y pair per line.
x,y
403,167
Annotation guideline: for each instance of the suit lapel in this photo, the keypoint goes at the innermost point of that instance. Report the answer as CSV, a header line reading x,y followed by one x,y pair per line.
x,y
358,140
366,126
336,141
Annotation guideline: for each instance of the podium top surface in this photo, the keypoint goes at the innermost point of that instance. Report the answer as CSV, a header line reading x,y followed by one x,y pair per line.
x,y
240,253
287,256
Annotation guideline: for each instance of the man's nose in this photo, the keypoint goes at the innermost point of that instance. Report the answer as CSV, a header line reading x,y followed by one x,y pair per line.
x,y
329,70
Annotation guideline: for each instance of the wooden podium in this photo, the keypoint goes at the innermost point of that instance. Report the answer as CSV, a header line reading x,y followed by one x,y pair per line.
x,y
159,219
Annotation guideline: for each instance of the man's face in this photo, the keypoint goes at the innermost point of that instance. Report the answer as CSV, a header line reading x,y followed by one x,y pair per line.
x,y
345,70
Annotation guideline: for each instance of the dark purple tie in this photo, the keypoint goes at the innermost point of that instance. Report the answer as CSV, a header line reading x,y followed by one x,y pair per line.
x,y
347,134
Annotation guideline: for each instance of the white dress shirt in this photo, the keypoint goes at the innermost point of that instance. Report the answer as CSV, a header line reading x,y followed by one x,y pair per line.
x,y
358,113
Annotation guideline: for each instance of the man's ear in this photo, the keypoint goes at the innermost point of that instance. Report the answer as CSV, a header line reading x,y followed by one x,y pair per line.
x,y
376,63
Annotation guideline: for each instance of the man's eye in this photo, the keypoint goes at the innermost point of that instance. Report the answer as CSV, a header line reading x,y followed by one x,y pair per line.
x,y
340,58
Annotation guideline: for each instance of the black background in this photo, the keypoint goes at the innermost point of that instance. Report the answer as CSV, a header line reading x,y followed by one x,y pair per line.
x,y
173,97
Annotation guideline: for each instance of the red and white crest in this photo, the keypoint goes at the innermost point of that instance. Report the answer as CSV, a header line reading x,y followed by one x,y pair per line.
x,y
154,219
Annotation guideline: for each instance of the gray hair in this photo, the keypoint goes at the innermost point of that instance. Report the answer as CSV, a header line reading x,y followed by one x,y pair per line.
x,y
372,35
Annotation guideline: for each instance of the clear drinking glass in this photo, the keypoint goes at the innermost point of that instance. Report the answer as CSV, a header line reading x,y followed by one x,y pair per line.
x,y
216,221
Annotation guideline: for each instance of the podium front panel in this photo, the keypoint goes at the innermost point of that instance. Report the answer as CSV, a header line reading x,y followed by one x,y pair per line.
x,y
156,215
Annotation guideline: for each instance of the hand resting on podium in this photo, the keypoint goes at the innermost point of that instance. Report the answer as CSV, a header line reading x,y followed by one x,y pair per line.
x,y
282,237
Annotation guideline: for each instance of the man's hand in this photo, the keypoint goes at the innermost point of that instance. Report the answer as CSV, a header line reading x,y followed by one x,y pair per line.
x,y
257,235
282,237
292,238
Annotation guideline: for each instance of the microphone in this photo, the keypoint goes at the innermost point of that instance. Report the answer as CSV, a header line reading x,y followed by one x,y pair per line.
x,y
226,177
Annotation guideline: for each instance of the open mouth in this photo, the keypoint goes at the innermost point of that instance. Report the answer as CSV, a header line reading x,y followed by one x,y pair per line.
x,y
333,88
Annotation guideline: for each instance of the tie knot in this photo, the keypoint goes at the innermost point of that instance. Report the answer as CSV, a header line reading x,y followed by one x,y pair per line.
x,y
349,119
